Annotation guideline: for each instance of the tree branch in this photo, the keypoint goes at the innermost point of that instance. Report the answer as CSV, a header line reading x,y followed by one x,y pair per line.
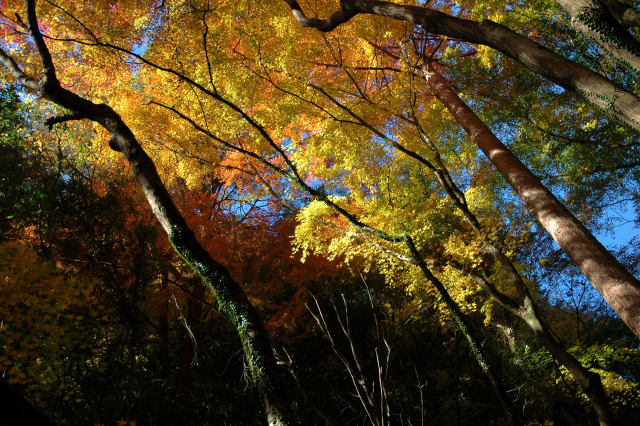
x,y
52,121
45,55
17,73
595,88
234,304
628,16
324,25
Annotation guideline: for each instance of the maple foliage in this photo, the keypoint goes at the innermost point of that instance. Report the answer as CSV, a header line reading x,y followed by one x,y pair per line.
x,y
41,305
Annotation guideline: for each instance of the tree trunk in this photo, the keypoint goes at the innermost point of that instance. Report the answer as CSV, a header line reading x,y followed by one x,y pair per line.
x,y
596,22
525,307
618,287
629,17
526,310
588,381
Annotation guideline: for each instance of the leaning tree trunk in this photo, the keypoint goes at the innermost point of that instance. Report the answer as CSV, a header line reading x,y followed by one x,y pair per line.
x,y
589,381
618,287
523,308
459,317
628,16
598,23
232,300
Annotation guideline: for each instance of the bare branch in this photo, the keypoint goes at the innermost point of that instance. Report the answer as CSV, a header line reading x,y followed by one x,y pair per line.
x,y
45,55
17,73
325,25
229,145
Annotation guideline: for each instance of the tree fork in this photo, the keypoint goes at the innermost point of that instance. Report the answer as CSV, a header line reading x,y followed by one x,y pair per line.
x,y
415,258
524,309
617,286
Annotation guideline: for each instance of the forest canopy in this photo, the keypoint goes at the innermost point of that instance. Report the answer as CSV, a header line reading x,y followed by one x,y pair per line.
x,y
319,212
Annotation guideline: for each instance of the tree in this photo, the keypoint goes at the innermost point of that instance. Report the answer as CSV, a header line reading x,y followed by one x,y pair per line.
x,y
231,298
609,277
340,120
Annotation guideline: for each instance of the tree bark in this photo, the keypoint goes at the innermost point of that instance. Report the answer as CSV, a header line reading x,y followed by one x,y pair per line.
x,y
596,89
233,302
598,23
588,381
629,17
525,308
618,287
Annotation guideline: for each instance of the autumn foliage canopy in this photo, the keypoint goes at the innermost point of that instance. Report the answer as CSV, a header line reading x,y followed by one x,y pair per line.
x,y
325,212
